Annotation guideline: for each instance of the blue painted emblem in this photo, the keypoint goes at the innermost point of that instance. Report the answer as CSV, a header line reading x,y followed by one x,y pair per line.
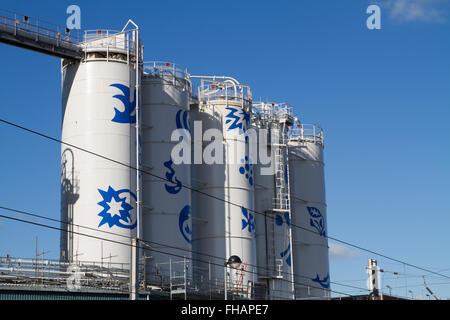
x,y
286,254
237,120
324,283
247,170
183,223
182,120
129,107
116,209
170,175
248,221
316,221
279,221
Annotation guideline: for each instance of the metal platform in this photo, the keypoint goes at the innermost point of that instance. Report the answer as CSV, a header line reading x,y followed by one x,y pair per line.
x,y
37,35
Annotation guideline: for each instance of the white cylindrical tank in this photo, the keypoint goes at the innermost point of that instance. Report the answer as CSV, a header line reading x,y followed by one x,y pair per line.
x,y
224,221
311,263
273,218
99,101
166,203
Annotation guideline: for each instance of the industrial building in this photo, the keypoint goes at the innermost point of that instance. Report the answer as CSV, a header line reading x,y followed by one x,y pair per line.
x,y
135,222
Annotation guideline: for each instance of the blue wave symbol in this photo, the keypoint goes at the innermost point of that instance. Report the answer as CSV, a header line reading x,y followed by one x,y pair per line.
x,y
129,107
170,175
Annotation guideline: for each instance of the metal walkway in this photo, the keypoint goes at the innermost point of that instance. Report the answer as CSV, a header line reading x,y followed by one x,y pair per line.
x,y
37,35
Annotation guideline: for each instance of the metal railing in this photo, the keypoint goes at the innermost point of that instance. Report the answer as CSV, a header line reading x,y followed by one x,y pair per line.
x,y
307,133
55,274
270,111
169,72
165,68
38,28
110,42
228,90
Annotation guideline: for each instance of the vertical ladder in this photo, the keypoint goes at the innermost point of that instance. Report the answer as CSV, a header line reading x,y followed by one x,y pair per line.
x,y
282,196
178,287
240,279
282,203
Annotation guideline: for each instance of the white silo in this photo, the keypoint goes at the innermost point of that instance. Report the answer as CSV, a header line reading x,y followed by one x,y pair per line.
x,y
99,102
273,229
167,208
311,263
224,221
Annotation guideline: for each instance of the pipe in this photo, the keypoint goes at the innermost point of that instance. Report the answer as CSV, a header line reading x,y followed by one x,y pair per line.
x,y
217,77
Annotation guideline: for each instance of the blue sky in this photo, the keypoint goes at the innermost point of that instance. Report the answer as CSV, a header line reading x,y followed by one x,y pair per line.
x,y
381,96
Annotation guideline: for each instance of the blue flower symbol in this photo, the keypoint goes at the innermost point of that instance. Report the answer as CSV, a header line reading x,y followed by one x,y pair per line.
x,y
316,221
247,170
248,220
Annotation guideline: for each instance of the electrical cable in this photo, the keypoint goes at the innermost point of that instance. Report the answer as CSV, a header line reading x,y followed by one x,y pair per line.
x,y
130,245
217,198
160,244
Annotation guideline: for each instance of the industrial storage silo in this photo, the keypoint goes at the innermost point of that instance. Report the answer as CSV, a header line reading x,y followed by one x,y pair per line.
x,y
166,90
311,263
223,217
99,102
273,229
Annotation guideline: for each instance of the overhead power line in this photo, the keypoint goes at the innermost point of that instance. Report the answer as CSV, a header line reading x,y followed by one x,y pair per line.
x,y
141,247
149,242
215,197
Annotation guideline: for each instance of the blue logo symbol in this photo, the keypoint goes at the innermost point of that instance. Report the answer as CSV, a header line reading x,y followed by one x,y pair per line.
x,y
317,221
239,121
129,107
247,170
182,119
183,223
287,255
170,175
116,208
324,283
248,221
279,221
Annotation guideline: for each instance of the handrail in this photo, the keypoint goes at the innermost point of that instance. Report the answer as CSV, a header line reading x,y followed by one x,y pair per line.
x,y
211,90
272,111
39,27
99,34
165,67
308,133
